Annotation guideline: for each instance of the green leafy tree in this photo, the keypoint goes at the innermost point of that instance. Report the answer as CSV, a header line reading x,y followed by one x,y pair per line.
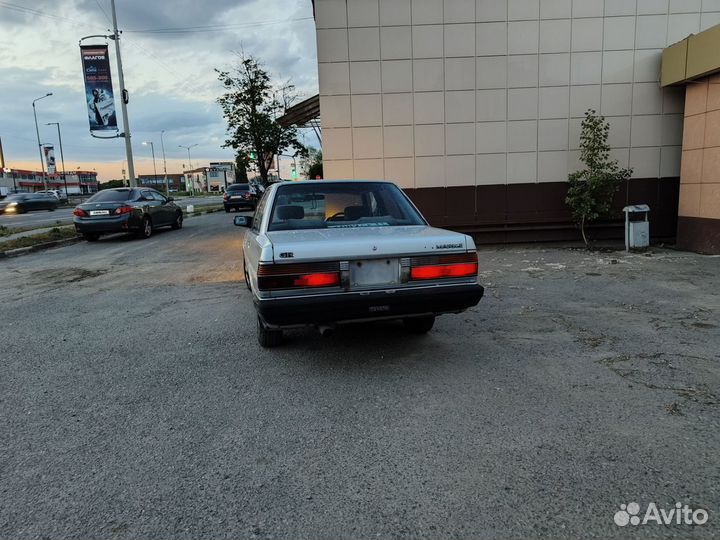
x,y
251,106
591,190
314,164
242,162
111,184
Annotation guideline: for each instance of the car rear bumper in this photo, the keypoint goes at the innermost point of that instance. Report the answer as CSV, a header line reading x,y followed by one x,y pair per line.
x,y
239,204
346,307
114,224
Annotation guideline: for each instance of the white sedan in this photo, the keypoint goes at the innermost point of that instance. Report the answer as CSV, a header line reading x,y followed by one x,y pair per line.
x,y
321,253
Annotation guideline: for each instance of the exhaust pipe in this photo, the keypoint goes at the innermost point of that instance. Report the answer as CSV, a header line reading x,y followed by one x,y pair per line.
x,y
326,331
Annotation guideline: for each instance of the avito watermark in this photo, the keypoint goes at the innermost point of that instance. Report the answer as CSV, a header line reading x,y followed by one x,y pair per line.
x,y
680,514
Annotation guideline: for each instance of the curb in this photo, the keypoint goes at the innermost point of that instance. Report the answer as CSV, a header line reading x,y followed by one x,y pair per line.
x,y
39,247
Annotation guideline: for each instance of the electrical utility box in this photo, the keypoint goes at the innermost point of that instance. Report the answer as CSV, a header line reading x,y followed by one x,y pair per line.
x,y
637,227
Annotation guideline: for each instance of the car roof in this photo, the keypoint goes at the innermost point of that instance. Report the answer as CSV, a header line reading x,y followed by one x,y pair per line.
x,y
323,181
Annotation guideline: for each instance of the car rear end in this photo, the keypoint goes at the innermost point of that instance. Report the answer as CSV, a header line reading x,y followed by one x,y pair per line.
x,y
239,196
109,211
353,289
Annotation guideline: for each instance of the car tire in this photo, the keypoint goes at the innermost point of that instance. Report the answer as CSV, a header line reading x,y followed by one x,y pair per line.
x,y
91,237
178,223
247,278
51,209
266,337
227,209
146,228
419,325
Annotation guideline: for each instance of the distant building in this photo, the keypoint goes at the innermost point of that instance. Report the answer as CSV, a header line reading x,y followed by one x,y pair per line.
x,y
77,181
176,181
214,177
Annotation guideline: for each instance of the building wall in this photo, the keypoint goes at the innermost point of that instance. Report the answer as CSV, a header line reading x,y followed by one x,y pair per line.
x,y
77,182
699,221
472,104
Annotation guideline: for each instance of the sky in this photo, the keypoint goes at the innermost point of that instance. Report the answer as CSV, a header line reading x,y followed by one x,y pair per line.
x,y
170,50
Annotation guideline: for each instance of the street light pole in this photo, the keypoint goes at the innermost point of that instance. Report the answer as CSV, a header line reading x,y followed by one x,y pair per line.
x,y
152,148
188,151
62,157
37,132
162,145
123,99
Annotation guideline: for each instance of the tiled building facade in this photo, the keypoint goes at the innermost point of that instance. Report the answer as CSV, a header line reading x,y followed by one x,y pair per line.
x,y
474,106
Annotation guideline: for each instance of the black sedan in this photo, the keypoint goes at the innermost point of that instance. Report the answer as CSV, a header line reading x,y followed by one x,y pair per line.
x,y
239,196
137,210
19,203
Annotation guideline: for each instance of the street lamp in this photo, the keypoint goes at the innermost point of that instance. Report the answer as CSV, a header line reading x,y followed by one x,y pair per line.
x,y
162,145
188,150
37,132
189,161
152,147
62,157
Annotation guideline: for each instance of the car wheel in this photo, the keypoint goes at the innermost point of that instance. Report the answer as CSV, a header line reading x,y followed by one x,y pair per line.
x,y
51,209
177,224
146,229
227,209
419,325
266,337
91,237
247,278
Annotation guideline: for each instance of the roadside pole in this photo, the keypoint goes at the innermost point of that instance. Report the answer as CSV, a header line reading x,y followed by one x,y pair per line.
x,y
62,157
37,132
123,99
162,145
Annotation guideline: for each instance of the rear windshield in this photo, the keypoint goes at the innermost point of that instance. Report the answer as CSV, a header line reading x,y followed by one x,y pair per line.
x,y
110,195
320,205
239,187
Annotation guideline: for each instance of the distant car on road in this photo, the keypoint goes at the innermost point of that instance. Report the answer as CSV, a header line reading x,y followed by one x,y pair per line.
x,y
138,210
59,195
239,196
323,253
19,203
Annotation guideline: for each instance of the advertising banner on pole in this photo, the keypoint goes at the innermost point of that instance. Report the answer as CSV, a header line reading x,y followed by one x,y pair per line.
x,y
98,87
49,151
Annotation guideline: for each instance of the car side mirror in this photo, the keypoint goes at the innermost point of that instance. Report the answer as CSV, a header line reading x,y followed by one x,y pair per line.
x,y
243,221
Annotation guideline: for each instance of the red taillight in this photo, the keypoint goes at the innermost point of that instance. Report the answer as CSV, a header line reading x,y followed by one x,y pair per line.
x,y
225,197
444,271
79,212
123,209
298,275
444,266
317,280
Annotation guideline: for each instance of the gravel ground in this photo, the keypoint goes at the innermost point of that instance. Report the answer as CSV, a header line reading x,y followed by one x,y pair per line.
x,y
136,403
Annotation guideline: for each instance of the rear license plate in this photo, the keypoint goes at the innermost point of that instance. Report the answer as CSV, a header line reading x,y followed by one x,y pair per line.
x,y
99,212
236,197
375,272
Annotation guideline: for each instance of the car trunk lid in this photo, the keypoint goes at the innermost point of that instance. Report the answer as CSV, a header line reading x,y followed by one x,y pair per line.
x,y
355,243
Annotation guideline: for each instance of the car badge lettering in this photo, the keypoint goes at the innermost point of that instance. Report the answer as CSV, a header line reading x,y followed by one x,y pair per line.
x,y
374,248
287,255
448,246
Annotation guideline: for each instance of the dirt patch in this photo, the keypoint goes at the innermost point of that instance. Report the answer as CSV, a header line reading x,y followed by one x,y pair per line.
x,y
59,276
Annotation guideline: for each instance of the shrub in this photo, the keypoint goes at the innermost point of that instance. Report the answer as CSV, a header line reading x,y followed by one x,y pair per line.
x,y
591,190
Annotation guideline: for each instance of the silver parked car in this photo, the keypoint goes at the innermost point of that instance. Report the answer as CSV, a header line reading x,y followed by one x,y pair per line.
x,y
327,252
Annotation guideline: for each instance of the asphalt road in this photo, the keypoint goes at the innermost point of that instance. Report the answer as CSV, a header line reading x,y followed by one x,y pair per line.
x,y
63,216
136,403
